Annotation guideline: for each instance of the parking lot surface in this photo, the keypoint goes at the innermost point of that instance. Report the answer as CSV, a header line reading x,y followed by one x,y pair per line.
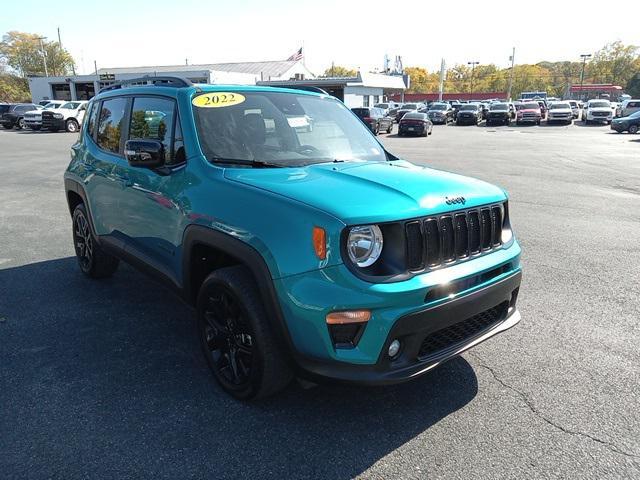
x,y
105,379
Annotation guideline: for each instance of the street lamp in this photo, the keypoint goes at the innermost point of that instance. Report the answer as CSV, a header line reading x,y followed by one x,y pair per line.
x,y
584,58
44,56
473,67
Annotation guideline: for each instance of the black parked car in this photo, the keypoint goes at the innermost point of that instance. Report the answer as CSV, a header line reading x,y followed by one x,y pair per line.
x,y
469,114
500,113
630,124
415,123
14,116
441,112
406,108
374,118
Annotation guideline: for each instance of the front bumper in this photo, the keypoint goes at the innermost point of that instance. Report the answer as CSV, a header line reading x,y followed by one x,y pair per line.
x,y
32,123
399,311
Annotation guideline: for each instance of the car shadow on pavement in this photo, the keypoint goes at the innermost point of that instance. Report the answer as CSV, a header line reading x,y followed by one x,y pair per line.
x,y
105,378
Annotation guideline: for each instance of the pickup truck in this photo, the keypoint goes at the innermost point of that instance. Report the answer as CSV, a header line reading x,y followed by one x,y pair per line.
x,y
68,117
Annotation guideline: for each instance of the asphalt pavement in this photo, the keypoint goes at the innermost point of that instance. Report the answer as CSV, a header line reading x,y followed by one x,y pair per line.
x,y
105,379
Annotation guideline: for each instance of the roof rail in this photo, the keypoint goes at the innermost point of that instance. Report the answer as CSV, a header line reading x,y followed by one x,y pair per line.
x,y
307,88
176,82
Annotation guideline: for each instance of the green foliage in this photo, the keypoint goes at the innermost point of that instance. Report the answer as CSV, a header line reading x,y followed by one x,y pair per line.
x,y
23,53
14,88
338,71
633,86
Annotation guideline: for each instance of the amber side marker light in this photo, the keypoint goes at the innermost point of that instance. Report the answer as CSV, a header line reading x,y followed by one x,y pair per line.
x,y
350,316
320,242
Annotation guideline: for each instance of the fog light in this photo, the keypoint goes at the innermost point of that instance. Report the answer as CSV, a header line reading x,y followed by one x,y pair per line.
x,y
394,348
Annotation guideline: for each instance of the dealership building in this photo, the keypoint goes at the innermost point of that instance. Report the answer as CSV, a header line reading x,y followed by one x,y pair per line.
x,y
364,89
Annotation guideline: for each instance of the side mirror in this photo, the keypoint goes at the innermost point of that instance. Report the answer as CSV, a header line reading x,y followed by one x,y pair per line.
x,y
144,153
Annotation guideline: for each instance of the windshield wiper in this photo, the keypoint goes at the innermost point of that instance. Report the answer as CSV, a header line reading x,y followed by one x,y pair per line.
x,y
242,161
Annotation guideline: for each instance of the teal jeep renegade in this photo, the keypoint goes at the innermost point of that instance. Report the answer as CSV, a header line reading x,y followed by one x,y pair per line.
x,y
307,249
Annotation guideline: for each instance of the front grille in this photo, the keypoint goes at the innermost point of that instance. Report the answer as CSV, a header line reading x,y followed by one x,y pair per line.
x,y
600,114
462,332
442,240
47,119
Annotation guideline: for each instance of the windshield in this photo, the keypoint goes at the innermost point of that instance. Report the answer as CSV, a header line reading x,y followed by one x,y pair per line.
x,y
438,106
361,112
381,105
556,106
499,106
528,106
413,116
281,129
599,105
410,106
52,105
635,114
71,105
465,108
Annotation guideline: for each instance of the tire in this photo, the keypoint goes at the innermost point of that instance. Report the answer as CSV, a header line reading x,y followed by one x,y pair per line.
x,y
390,128
237,338
71,126
633,129
20,124
8,126
538,122
93,261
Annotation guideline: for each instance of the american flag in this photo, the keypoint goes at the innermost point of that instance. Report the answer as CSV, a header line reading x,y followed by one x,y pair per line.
x,y
296,56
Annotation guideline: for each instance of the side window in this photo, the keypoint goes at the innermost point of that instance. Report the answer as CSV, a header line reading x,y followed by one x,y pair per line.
x,y
152,118
91,122
111,123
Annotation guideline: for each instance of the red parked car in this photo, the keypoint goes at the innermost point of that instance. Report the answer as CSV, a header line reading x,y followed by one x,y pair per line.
x,y
529,112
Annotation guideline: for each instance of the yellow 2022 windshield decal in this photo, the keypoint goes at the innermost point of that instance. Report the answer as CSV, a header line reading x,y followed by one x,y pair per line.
x,y
217,100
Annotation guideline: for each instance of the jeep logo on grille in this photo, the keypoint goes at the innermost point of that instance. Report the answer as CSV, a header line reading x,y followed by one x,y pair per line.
x,y
454,200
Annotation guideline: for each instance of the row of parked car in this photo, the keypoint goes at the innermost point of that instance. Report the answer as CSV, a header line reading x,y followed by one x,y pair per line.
x,y
500,112
52,115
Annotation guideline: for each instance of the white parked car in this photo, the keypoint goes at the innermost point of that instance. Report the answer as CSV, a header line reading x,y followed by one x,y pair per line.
x,y
33,118
629,106
597,111
575,108
67,117
560,112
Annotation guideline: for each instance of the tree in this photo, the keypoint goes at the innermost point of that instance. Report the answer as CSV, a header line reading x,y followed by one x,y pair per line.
x,y
13,89
633,86
23,52
422,80
338,71
614,63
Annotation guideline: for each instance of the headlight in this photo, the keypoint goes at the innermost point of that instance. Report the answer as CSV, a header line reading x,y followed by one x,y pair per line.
x,y
364,245
58,115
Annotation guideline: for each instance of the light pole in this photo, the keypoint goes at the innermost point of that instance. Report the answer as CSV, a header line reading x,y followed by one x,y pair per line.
x,y
44,56
473,67
584,58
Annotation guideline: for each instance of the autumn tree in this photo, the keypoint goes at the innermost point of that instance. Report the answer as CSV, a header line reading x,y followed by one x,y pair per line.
x,y
23,52
338,71
614,63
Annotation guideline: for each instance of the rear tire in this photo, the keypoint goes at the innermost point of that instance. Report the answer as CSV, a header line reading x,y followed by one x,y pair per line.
x,y
93,261
236,336
633,129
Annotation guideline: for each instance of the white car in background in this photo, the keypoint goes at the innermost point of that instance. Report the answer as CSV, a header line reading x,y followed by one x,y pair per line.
x,y
67,117
629,106
597,110
33,118
575,108
560,112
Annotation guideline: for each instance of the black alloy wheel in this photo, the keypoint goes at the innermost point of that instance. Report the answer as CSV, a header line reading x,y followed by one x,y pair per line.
x,y
633,129
228,339
83,241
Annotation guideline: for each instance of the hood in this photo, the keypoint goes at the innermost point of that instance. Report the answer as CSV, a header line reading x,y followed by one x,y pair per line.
x,y
33,112
364,192
560,110
600,109
535,110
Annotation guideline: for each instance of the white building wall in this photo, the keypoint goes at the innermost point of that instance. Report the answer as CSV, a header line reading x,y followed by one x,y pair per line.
x,y
354,96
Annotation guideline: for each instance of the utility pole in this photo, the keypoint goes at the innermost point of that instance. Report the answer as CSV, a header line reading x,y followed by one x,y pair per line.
x,y
44,56
584,58
473,67
95,65
441,89
513,60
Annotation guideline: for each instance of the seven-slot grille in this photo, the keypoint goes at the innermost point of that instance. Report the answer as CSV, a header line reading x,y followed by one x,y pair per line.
x,y
47,119
434,241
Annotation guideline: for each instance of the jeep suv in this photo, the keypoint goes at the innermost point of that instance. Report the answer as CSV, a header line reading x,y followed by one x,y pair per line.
x,y
312,254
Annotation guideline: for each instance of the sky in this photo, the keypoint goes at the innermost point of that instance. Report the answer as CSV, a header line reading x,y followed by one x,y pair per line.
x,y
352,33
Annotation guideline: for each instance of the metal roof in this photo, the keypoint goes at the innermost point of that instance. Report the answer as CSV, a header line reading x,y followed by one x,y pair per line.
x,y
268,69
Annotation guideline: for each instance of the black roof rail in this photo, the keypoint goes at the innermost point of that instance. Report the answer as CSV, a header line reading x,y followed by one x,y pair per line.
x,y
149,80
307,88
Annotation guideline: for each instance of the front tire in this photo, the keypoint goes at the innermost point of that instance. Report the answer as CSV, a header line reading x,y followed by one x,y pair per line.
x,y
93,261
633,129
72,126
236,336
20,124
